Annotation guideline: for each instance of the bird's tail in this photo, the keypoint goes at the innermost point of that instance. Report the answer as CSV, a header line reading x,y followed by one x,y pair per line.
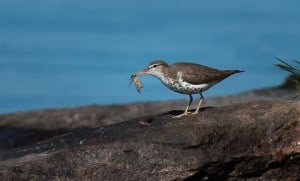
x,y
235,71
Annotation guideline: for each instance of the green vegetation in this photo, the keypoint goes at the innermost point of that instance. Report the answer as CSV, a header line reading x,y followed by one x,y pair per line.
x,y
288,67
294,79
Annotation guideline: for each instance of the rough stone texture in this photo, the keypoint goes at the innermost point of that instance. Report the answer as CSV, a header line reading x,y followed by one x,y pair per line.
x,y
256,140
24,128
95,115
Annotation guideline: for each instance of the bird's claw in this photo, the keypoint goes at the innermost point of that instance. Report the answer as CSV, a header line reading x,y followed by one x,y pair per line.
x,y
182,114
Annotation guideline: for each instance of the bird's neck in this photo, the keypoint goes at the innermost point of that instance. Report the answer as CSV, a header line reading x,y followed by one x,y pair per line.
x,y
163,76
158,74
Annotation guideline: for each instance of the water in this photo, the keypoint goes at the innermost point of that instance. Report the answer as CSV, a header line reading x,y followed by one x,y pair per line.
x,y
70,53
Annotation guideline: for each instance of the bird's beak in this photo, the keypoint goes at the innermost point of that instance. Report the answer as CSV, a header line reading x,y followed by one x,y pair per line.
x,y
143,72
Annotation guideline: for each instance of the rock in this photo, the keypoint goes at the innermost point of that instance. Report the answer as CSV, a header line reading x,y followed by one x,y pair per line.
x,y
95,115
34,126
256,140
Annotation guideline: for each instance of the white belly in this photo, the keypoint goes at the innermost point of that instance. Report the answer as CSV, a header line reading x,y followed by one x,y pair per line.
x,y
182,86
187,88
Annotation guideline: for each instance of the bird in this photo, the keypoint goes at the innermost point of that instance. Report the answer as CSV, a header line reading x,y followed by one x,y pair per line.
x,y
186,78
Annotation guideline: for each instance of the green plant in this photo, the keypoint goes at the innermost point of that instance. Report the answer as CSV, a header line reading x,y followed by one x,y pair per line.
x,y
295,78
288,67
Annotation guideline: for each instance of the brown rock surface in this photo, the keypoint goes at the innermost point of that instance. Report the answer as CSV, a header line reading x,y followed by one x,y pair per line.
x,y
24,128
96,115
255,140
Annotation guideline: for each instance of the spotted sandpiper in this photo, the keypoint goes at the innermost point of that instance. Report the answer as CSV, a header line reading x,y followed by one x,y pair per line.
x,y
186,78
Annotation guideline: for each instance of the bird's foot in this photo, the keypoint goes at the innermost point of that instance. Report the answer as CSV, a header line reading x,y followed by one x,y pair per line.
x,y
182,114
195,112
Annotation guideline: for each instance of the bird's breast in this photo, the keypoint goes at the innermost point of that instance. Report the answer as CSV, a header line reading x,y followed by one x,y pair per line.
x,y
183,87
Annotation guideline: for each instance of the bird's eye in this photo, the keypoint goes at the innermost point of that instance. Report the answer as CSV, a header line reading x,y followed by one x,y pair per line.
x,y
152,66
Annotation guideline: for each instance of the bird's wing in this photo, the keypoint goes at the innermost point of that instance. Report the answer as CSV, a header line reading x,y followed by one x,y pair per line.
x,y
198,74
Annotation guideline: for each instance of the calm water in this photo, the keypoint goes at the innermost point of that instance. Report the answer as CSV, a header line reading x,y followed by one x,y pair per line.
x,y
69,53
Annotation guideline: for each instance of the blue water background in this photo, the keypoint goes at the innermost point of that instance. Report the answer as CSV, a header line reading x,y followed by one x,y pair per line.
x,y
56,53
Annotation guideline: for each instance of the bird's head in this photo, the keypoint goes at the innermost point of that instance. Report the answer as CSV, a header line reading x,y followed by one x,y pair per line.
x,y
154,68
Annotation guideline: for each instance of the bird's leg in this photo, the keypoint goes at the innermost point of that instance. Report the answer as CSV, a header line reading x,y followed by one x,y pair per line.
x,y
199,104
186,112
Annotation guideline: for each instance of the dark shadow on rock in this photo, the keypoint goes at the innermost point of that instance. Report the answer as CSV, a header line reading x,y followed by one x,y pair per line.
x,y
177,112
11,137
157,119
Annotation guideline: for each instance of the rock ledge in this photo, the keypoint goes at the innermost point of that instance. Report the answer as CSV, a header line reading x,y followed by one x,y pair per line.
x,y
256,140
